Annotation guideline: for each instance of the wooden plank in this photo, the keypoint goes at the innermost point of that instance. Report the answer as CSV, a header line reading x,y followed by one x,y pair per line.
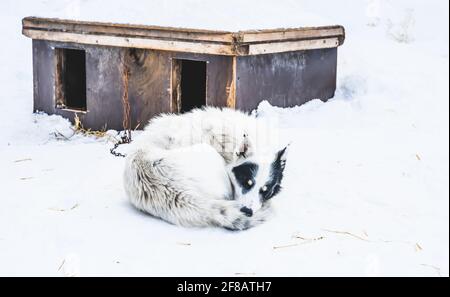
x,y
291,34
35,20
126,30
149,82
219,76
175,86
104,88
103,84
143,43
242,43
231,89
44,63
289,46
59,89
247,36
149,88
181,46
219,80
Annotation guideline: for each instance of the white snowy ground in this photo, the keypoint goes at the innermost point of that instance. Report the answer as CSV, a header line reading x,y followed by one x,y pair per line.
x,y
372,162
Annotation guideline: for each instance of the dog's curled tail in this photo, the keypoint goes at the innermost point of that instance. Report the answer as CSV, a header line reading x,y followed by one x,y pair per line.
x,y
153,186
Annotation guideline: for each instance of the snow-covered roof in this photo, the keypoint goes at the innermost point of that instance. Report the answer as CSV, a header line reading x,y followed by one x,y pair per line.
x,y
239,43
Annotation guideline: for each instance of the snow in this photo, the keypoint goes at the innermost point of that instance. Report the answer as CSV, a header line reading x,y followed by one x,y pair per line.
x,y
367,179
214,15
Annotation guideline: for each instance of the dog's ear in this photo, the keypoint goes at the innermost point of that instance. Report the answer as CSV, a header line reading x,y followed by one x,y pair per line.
x,y
245,148
280,158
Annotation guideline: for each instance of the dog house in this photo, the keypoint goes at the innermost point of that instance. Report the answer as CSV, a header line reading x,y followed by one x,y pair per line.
x,y
113,75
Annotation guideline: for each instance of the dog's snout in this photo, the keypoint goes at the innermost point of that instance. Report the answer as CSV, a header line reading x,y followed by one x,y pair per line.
x,y
248,211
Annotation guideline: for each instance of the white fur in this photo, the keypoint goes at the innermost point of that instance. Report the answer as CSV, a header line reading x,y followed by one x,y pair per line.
x,y
178,169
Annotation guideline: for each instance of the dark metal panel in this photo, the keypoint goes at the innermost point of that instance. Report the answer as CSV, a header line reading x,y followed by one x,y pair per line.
x,y
285,79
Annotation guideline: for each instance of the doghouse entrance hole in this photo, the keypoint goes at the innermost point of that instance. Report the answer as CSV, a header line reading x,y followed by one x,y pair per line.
x,y
188,84
71,79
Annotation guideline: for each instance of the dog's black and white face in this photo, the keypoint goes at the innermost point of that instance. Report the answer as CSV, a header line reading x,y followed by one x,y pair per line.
x,y
256,180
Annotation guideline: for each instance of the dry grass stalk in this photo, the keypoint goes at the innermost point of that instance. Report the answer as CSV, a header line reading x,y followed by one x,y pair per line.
x,y
285,246
184,243
309,239
305,240
437,269
22,160
418,247
79,129
62,264
347,233
64,209
137,126
59,135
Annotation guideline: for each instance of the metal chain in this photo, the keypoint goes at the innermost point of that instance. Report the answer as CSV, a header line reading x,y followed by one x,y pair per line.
x,y
126,123
124,139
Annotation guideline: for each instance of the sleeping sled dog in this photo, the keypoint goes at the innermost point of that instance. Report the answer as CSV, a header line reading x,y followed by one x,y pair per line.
x,y
207,167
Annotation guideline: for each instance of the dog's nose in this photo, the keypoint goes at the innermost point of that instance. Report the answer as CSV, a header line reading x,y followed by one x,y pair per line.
x,y
248,212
